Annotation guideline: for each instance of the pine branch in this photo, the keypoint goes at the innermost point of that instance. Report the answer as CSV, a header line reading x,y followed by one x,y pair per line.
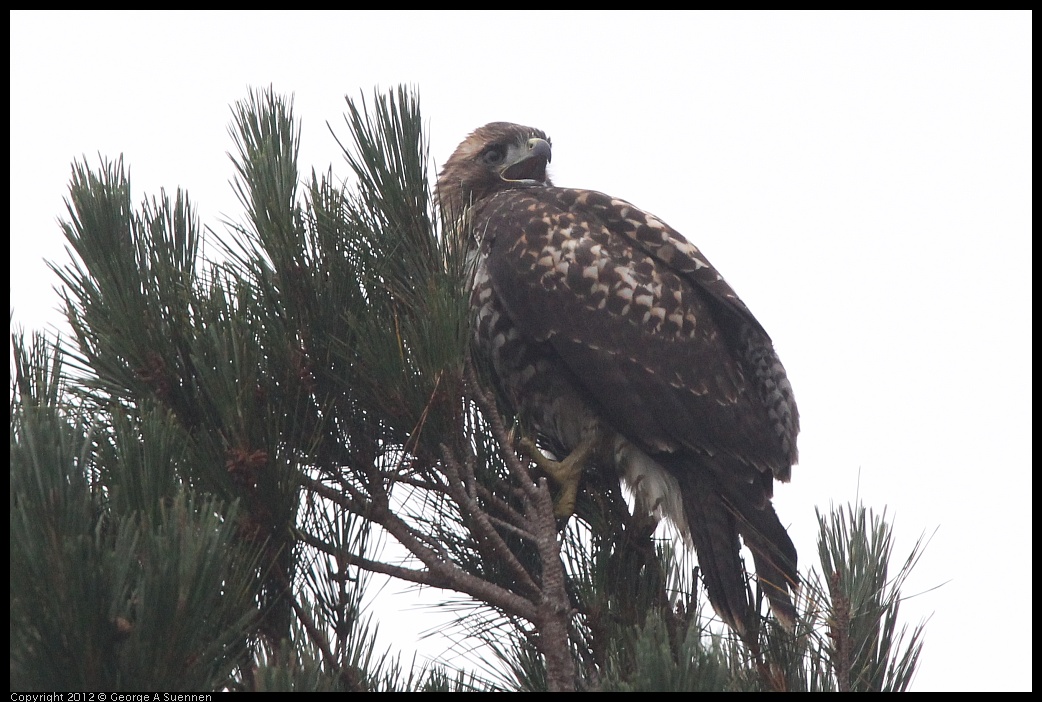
x,y
223,436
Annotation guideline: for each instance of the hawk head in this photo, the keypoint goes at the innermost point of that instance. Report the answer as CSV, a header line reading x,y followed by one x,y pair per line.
x,y
498,156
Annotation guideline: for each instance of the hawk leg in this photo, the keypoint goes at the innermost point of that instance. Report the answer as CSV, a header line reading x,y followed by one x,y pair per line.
x,y
567,472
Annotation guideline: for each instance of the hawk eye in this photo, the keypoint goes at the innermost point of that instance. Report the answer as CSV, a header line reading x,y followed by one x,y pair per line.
x,y
494,155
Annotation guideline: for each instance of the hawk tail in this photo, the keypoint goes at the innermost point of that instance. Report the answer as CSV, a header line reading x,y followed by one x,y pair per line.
x,y
774,556
715,518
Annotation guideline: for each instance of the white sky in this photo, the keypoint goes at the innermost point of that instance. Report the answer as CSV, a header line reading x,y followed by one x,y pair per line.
x,y
862,180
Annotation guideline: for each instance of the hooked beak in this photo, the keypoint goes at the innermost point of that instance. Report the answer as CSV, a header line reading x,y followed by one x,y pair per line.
x,y
530,162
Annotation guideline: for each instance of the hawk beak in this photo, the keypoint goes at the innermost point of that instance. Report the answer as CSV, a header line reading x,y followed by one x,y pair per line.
x,y
530,161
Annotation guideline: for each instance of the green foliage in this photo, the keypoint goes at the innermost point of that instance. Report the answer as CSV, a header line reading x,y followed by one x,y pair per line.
x,y
846,638
116,583
202,480
653,662
868,649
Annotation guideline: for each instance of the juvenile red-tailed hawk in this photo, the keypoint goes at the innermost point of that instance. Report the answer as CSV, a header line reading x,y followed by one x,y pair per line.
x,y
604,326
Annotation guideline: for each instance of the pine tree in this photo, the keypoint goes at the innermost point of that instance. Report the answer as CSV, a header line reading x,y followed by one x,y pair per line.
x,y
199,478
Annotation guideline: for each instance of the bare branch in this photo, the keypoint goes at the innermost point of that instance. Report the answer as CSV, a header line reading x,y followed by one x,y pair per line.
x,y
442,573
485,535
499,432
554,610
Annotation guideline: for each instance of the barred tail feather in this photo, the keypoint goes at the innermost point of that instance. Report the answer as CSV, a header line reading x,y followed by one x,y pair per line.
x,y
716,517
775,558
714,533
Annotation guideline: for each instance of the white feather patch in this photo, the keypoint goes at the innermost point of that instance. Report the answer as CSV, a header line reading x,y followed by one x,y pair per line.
x,y
655,491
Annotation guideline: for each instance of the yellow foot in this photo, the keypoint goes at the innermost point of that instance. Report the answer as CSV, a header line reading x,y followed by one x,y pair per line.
x,y
566,472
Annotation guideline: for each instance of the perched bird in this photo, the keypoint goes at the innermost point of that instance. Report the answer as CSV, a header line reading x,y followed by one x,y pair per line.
x,y
610,335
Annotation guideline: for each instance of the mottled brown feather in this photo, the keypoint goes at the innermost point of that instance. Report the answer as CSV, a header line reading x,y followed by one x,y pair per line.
x,y
594,312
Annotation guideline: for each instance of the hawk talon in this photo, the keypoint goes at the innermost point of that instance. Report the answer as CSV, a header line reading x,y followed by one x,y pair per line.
x,y
565,473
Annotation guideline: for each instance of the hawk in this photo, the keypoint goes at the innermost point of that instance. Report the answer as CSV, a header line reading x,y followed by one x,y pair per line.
x,y
607,331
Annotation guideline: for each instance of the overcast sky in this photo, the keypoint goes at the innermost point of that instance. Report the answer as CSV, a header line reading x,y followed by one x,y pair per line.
x,y
862,181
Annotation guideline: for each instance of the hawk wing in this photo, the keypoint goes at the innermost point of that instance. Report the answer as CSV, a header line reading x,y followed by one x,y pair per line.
x,y
597,316
651,332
